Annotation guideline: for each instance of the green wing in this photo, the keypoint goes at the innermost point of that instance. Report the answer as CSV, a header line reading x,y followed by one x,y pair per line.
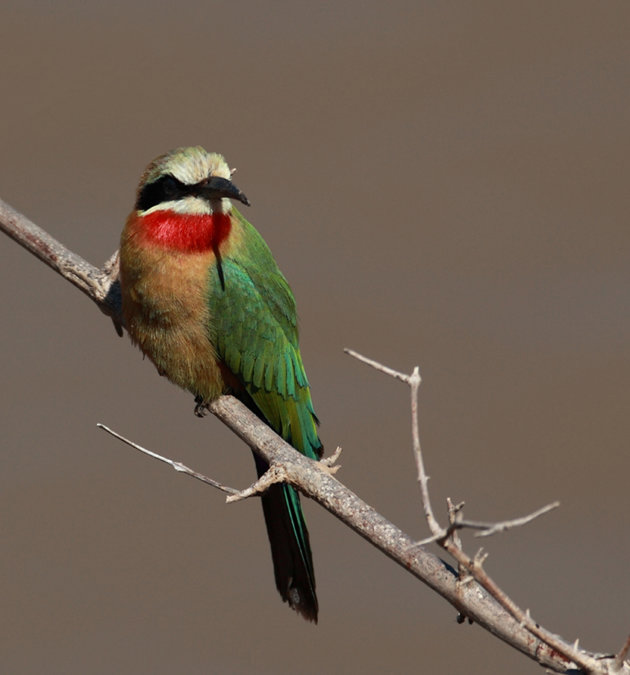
x,y
254,330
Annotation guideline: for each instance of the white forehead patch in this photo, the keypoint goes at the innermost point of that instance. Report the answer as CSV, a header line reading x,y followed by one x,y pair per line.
x,y
188,165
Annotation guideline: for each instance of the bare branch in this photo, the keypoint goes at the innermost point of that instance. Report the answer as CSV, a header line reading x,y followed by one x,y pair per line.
x,y
456,523
413,381
443,536
377,366
96,284
488,529
178,466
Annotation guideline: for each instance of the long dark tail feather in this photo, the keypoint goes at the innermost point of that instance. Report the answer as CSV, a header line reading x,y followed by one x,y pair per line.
x,y
290,548
288,538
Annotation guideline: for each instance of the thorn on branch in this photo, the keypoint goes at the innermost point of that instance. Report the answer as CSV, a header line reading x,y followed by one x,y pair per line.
x,y
454,509
480,558
455,515
329,464
465,578
621,656
526,618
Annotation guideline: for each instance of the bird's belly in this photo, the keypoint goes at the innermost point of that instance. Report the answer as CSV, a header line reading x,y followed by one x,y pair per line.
x,y
166,313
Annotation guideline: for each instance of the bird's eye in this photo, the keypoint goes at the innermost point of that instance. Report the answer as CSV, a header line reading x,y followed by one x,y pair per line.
x,y
165,189
170,187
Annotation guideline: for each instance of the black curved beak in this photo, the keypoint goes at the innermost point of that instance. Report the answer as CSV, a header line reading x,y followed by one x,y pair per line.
x,y
218,188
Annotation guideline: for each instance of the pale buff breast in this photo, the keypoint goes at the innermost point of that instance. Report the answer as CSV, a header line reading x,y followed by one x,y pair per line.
x,y
165,307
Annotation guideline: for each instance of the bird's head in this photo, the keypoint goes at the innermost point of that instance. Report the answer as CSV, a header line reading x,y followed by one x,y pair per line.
x,y
188,180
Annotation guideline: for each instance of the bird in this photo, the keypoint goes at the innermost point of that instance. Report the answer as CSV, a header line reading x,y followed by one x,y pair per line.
x,y
204,300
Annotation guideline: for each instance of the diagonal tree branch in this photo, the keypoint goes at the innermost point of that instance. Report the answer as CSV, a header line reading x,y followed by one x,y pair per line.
x,y
315,480
97,284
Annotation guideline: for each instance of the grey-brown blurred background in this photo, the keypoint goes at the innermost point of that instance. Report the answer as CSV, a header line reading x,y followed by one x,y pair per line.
x,y
444,184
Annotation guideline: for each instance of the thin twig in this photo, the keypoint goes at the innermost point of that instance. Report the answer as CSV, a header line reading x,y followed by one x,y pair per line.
x,y
423,478
488,529
413,381
178,466
377,366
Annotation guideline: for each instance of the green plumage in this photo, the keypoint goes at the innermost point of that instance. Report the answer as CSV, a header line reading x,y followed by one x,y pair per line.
x,y
254,331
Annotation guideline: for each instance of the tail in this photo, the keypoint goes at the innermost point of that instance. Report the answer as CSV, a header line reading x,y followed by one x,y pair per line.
x,y
290,548
293,418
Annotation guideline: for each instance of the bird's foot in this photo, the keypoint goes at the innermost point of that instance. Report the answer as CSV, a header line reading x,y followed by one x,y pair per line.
x,y
273,475
329,464
201,406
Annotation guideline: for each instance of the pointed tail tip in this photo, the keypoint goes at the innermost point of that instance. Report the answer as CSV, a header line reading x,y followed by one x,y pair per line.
x,y
306,607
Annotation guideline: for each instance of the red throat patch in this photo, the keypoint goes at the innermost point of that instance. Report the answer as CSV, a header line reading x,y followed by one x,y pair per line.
x,y
190,233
